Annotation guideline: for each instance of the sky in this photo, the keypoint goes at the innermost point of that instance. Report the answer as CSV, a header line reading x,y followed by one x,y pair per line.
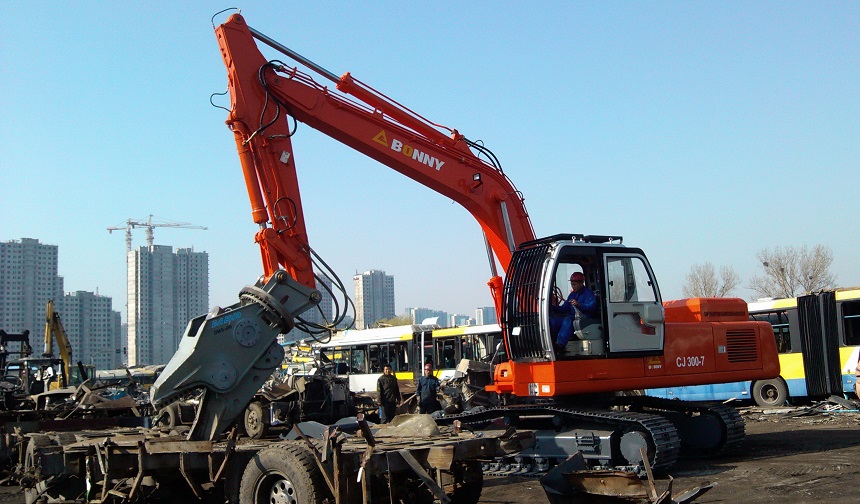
x,y
698,131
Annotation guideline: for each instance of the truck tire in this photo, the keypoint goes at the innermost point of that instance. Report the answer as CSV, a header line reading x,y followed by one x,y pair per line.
x,y
285,472
254,423
233,477
169,416
468,483
770,393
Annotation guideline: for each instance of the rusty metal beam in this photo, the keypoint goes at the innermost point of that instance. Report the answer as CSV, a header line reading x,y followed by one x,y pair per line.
x,y
229,450
323,469
197,489
141,452
438,492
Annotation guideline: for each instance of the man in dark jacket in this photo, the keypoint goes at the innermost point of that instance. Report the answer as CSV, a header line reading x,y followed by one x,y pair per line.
x,y
428,386
388,393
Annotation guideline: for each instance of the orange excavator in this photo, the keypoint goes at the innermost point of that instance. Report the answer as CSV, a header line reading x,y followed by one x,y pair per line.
x,y
571,397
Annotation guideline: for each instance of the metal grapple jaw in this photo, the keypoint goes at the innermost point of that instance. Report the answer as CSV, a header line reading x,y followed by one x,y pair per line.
x,y
231,352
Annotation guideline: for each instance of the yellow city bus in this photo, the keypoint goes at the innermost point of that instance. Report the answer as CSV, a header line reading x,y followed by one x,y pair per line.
x,y
818,337
360,354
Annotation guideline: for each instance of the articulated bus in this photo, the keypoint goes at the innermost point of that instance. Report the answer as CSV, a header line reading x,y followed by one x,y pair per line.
x,y
360,354
818,339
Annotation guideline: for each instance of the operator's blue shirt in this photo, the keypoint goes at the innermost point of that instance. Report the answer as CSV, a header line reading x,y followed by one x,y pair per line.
x,y
586,301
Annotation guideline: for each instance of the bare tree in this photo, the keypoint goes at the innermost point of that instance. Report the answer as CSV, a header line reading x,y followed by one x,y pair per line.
x,y
789,271
815,269
702,281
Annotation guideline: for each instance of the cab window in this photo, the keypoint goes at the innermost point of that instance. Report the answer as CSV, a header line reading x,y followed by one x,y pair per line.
x,y
629,281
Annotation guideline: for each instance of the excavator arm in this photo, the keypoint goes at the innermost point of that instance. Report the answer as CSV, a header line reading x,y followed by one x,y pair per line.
x,y
269,96
54,330
230,352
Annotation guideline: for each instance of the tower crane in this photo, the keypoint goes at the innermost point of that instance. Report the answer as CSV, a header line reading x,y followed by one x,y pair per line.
x,y
148,224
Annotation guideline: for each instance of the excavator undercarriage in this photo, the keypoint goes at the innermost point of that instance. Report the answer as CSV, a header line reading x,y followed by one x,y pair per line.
x,y
610,433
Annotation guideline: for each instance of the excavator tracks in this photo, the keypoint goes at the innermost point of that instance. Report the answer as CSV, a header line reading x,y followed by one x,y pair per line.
x,y
607,439
706,429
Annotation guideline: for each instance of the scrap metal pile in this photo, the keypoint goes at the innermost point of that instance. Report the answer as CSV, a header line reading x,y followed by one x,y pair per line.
x,y
411,460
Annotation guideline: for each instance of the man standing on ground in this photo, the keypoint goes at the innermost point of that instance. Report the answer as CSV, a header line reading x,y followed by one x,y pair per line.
x,y
388,395
428,386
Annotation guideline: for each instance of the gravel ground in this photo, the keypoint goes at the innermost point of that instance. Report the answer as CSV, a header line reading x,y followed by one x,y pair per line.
x,y
785,458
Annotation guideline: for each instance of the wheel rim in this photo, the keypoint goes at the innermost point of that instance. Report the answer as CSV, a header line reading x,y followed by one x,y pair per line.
x,y
770,393
252,425
277,489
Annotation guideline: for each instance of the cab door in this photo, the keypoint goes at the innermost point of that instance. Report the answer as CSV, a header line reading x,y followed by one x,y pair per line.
x,y
634,309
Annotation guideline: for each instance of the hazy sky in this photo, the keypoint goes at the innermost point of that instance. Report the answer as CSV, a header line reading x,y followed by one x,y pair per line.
x,y
699,131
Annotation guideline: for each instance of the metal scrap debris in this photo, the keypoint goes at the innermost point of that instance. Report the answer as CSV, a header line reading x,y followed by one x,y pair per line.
x,y
571,482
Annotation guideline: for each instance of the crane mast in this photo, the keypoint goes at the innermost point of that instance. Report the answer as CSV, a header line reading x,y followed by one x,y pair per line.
x,y
265,94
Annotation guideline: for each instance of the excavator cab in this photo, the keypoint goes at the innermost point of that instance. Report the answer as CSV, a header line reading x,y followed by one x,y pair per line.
x,y
629,318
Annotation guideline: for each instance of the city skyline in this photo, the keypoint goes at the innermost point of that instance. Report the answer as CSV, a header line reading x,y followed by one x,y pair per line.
x,y
120,304
30,280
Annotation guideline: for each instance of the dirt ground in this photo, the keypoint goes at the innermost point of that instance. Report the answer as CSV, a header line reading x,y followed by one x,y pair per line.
x,y
786,458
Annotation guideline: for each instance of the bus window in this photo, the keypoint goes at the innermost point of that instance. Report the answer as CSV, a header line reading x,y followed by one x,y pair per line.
x,y
428,352
473,346
378,355
357,356
468,347
398,354
482,346
851,322
446,351
779,321
340,358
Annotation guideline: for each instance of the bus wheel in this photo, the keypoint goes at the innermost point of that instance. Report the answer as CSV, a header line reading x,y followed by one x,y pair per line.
x,y
283,473
255,426
770,393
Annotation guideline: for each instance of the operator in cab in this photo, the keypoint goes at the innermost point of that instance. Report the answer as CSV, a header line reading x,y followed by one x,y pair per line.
x,y
580,304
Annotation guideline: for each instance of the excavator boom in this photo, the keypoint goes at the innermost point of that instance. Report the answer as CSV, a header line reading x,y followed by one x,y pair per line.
x,y
54,331
266,95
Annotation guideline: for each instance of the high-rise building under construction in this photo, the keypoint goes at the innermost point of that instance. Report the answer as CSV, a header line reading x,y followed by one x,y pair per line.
x,y
165,291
